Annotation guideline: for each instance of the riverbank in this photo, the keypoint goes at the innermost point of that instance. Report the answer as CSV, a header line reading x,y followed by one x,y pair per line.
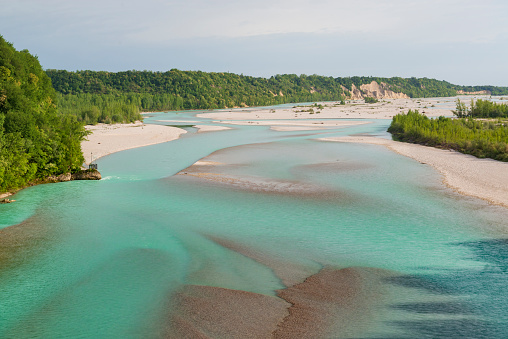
x,y
107,139
481,178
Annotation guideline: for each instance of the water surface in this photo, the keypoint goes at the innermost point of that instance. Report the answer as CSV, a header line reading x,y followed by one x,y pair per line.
x,y
103,259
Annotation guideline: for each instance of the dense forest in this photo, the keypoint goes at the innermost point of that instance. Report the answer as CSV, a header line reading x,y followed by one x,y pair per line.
x,y
483,139
134,91
114,97
35,140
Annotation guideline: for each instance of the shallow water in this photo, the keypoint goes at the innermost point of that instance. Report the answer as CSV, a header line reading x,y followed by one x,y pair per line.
x,y
107,256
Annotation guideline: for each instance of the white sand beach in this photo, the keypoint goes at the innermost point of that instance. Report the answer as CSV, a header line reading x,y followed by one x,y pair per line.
x,y
107,139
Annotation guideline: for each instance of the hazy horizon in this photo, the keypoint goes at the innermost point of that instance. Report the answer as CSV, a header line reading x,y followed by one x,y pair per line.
x,y
462,42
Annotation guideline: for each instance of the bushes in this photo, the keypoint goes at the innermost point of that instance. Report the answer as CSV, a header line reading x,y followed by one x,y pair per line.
x,y
481,109
484,139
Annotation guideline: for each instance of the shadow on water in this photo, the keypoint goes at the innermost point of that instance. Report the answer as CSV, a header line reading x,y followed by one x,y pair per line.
x,y
479,306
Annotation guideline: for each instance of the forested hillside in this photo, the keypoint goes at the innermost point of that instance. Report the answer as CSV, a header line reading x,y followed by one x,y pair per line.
x,y
35,141
116,97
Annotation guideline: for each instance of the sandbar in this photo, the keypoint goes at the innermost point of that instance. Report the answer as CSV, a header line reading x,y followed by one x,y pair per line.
x,y
215,172
211,128
106,139
353,109
296,125
323,302
486,179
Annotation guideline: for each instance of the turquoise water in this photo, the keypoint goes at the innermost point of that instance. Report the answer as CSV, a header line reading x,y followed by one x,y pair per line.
x,y
107,256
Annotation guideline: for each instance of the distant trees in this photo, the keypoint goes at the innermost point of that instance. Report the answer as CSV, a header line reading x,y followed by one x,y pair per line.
x,y
35,141
370,100
488,109
481,109
178,90
91,109
484,139
130,91
93,95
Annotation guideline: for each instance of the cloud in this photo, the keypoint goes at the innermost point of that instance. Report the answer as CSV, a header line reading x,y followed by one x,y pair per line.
x,y
157,21
434,38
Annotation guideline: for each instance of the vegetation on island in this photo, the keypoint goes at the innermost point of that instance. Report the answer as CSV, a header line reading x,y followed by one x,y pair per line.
x,y
483,139
370,100
35,140
481,109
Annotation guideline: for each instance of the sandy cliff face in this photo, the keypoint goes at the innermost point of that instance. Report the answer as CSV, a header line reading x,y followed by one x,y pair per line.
x,y
375,90
356,94
474,93
381,91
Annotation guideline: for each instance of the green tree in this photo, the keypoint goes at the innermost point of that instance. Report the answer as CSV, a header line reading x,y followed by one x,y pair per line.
x,y
35,140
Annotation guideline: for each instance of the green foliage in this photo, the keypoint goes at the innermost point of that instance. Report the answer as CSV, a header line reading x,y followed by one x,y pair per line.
x,y
488,109
461,110
483,139
370,100
101,108
492,89
179,90
93,96
35,141
481,109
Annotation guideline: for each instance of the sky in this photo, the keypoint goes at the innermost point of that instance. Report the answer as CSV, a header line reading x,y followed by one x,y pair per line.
x,y
464,42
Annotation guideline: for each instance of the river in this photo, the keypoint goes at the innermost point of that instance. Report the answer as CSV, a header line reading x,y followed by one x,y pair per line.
x,y
108,259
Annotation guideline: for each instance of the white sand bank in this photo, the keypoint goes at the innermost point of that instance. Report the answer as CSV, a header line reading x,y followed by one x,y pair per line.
x,y
211,128
295,125
482,178
354,109
107,139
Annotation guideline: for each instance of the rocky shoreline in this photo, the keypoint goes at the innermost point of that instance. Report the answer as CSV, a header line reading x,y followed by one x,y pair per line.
x,y
86,174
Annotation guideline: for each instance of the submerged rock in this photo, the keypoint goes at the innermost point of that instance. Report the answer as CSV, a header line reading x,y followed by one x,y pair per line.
x,y
6,201
90,174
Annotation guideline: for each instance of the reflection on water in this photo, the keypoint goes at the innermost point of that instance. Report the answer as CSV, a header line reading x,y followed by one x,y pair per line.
x,y
121,248
481,311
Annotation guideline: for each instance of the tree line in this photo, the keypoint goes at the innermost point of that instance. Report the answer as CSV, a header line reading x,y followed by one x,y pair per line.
x,y
95,95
